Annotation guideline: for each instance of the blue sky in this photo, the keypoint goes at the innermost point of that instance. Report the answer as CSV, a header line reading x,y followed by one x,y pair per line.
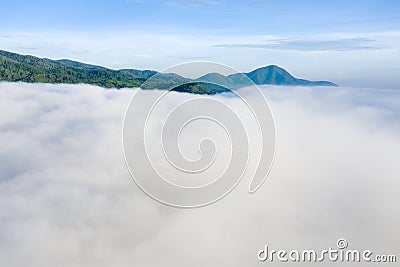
x,y
343,41
255,16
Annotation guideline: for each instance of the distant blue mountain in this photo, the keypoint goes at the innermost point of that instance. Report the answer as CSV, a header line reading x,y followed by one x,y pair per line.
x,y
266,75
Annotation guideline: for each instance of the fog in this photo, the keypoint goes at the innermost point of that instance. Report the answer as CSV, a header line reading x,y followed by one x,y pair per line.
x,y
67,198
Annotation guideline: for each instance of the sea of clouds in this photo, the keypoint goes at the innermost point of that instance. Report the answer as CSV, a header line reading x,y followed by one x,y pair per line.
x,y
67,199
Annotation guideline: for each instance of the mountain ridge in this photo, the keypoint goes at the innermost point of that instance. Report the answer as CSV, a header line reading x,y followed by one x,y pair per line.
x,y
271,74
27,68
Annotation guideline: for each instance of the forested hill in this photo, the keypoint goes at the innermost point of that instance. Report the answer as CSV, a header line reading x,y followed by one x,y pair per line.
x,y
25,68
15,67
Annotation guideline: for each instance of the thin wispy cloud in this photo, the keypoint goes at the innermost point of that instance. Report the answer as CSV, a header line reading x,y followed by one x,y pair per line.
x,y
193,3
134,1
25,48
346,44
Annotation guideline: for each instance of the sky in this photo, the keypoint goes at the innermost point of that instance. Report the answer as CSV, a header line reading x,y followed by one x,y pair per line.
x,y
352,43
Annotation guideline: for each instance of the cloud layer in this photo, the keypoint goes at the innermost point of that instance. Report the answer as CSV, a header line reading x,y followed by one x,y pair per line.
x,y
66,198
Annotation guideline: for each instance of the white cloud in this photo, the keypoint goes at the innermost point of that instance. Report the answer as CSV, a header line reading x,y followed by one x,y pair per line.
x,y
66,198
349,44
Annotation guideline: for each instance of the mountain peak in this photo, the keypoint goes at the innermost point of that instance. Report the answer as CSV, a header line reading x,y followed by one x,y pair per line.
x,y
273,74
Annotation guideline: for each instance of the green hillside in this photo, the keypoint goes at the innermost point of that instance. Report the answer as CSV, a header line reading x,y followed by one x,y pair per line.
x,y
25,68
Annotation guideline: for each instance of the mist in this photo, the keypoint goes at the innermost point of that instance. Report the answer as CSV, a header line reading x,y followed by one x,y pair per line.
x,y
67,198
